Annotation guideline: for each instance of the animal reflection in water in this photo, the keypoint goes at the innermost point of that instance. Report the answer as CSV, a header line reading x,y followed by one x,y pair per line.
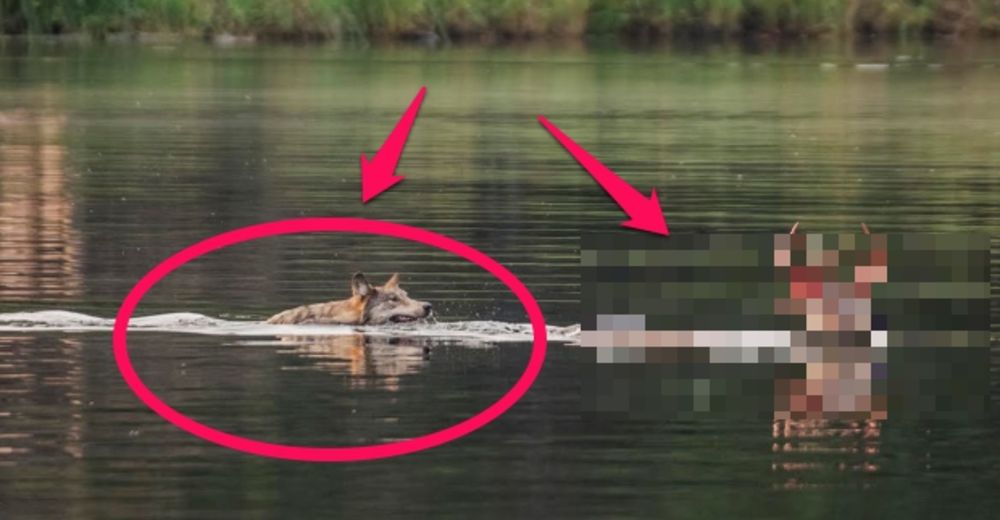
x,y
368,361
807,449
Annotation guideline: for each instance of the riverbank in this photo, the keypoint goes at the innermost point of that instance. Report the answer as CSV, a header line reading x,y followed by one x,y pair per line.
x,y
488,21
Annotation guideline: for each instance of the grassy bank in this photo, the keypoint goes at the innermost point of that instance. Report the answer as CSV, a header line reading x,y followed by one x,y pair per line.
x,y
502,19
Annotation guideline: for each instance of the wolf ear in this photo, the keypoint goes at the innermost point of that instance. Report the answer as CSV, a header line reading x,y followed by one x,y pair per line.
x,y
393,281
360,286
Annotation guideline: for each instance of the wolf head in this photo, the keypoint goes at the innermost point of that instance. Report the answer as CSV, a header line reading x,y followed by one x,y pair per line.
x,y
387,303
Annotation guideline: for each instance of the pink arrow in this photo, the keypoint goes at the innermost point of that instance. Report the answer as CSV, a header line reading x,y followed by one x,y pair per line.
x,y
644,213
379,174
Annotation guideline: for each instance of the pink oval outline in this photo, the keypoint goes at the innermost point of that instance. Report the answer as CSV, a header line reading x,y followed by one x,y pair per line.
x,y
330,454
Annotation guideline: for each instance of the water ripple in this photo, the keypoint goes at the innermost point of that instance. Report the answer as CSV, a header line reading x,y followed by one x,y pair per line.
x,y
194,323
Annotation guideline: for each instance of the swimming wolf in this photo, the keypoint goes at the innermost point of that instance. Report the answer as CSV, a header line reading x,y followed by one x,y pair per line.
x,y
368,305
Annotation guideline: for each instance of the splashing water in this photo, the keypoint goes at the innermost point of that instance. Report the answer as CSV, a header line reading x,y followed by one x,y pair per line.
x,y
193,323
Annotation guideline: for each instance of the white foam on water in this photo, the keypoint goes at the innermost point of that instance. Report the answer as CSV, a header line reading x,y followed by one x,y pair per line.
x,y
498,331
871,67
193,323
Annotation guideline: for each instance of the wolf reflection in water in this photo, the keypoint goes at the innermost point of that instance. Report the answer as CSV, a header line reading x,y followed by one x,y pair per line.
x,y
368,360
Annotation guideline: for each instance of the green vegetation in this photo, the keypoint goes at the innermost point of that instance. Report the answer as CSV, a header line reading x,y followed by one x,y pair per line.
x,y
501,19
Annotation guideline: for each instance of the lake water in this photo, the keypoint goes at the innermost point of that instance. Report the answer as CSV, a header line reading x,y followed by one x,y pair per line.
x,y
112,158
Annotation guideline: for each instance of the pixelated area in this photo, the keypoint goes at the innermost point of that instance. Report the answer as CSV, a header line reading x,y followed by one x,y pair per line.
x,y
788,326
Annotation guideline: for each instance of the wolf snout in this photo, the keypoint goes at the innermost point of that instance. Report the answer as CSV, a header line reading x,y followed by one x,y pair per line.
x,y
427,309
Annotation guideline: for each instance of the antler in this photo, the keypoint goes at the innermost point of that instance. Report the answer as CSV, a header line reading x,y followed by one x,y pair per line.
x,y
794,227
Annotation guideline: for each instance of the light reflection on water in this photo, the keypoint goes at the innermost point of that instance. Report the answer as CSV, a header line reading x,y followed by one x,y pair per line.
x,y
40,253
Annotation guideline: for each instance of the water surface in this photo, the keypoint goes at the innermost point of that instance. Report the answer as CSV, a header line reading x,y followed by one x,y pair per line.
x,y
113,158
